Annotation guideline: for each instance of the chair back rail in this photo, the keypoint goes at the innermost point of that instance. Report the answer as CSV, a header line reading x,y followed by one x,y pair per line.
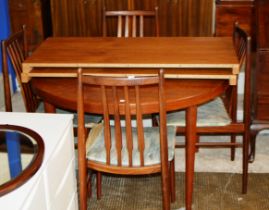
x,y
130,23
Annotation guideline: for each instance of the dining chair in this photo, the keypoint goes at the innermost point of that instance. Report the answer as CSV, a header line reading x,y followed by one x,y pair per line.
x,y
15,48
125,150
130,23
219,116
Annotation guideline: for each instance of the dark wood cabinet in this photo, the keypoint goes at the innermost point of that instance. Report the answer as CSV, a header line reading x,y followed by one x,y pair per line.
x,y
35,14
230,11
260,118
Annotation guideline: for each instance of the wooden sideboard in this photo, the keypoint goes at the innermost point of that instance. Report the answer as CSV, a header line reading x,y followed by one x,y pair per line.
x,y
230,11
260,117
35,14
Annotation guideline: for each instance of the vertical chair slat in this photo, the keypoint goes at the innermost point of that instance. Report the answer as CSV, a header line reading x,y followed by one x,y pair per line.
x,y
7,92
119,33
107,131
13,53
126,31
134,26
129,136
118,136
19,51
139,124
141,25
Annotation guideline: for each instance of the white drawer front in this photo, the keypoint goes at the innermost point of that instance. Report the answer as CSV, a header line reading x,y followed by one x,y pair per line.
x,y
67,188
73,205
37,198
59,163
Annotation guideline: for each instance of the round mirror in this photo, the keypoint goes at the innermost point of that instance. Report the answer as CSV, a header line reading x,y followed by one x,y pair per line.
x,y
21,155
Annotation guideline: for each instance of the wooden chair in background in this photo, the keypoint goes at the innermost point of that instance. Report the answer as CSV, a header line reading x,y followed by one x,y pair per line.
x,y
15,48
124,150
131,23
219,117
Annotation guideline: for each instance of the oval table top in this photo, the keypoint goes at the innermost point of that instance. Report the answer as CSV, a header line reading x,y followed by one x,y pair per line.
x,y
179,94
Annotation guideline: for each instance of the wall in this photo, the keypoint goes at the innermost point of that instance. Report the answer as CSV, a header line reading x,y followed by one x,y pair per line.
x,y
177,17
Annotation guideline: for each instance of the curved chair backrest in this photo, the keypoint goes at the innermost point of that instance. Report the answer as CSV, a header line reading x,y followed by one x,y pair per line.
x,y
121,97
242,44
131,23
15,48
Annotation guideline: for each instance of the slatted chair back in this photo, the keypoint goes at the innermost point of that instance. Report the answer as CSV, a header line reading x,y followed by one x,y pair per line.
x,y
121,97
131,23
15,48
242,43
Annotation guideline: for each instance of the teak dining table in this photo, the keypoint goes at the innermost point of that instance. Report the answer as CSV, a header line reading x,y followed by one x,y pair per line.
x,y
182,57
206,66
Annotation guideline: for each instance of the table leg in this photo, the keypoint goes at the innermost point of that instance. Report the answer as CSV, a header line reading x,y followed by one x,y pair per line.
x,y
191,117
49,108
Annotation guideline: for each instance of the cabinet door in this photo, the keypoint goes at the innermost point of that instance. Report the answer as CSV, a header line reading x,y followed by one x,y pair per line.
x,y
262,14
228,12
262,86
261,90
27,12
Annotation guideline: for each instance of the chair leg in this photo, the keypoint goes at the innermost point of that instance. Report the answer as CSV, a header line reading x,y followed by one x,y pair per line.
x,y
233,140
253,135
245,162
197,141
154,120
89,185
173,181
99,184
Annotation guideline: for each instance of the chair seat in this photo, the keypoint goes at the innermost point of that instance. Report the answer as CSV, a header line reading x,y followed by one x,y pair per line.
x,y
212,113
95,148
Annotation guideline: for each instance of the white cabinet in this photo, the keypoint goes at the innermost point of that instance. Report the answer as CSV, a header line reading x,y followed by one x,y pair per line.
x,y
54,185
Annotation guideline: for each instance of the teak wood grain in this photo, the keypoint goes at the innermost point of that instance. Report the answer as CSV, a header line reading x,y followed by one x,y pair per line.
x,y
157,52
179,94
